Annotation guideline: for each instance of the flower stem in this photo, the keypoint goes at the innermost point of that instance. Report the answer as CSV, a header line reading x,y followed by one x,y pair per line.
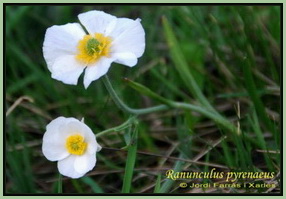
x,y
126,108
130,162
60,184
179,105
121,127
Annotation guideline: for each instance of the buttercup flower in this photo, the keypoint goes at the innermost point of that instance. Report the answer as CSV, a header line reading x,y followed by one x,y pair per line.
x,y
68,50
71,143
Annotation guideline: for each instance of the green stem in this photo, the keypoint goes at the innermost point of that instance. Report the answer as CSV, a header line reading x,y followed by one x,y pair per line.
x,y
182,66
126,108
216,117
121,127
60,184
257,102
130,162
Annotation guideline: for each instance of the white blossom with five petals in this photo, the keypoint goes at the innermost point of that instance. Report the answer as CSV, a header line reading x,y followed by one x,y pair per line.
x,y
68,50
71,143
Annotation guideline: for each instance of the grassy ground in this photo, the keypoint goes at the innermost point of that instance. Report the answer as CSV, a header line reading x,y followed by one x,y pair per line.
x,y
233,53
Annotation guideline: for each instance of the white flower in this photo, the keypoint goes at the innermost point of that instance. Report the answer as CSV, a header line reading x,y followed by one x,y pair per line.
x,y
71,143
68,50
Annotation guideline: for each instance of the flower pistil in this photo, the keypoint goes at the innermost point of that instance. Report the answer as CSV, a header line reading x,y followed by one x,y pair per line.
x,y
75,144
91,48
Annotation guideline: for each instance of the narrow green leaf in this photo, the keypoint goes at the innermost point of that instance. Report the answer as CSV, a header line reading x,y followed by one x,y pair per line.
x,y
182,66
60,184
252,91
167,185
146,91
130,162
261,141
169,85
93,185
77,186
227,154
158,184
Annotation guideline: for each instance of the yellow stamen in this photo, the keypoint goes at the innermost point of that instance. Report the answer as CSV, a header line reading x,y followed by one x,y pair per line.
x,y
75,144
92,47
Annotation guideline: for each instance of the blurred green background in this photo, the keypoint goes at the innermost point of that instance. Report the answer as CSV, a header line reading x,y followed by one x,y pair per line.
x,y
232,51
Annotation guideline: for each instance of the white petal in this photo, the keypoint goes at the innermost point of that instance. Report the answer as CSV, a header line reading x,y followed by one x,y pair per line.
x,y
53,148
84,163
97,21
61,40
98,148
128,36
74,127
92,145
127,58
66,167
86,132
77,127
56,123
95,71
53,141
67,69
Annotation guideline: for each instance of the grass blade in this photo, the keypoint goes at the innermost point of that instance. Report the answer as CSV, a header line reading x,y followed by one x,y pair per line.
x,y
60,184
93,185
167,185
252,91
158,184
182,66
262,142
130,163
146,91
